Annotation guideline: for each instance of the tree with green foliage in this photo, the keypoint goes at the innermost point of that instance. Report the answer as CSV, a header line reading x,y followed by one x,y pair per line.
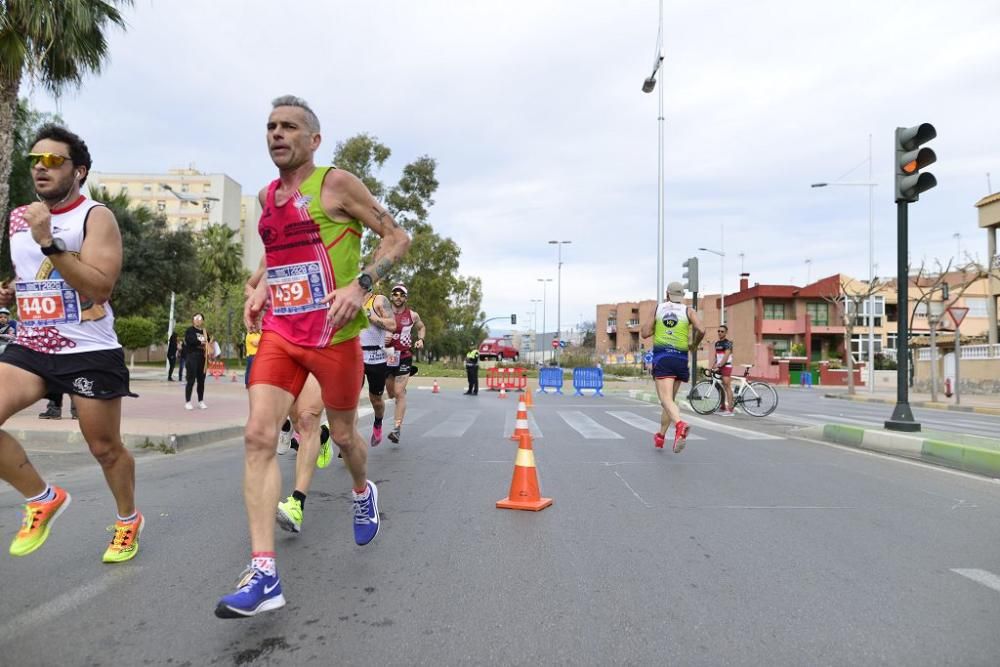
x,y
155,262
220,257
135,332
53,43
21,188
443,298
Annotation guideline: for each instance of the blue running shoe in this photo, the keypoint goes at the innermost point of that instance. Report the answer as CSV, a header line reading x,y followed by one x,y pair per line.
x,y
366,520
255,592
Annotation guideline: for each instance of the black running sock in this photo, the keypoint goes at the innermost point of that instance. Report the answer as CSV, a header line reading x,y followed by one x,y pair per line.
x,y
301,497
287,426
378,422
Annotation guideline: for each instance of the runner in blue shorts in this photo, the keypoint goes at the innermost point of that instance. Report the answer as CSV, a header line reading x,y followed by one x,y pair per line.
x,y
675,328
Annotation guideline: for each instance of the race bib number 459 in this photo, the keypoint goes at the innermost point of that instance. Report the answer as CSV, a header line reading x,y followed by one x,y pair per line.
x,y
296,288
46,303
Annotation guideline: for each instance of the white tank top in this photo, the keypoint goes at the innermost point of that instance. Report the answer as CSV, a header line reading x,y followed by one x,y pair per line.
x,y
55,318
372,337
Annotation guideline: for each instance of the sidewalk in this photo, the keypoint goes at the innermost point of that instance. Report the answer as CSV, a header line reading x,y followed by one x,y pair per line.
x,y
158,416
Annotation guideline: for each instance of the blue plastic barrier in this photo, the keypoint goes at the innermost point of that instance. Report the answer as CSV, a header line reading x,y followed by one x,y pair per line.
x,y
550,377
588,378
807,379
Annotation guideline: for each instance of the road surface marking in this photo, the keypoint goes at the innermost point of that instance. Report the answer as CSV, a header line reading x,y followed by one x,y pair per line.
x,y
732,430
587,427
984,577
510,420
643,424
455,426
648,506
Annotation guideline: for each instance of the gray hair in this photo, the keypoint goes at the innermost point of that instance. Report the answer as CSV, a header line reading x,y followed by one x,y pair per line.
x,y
292,101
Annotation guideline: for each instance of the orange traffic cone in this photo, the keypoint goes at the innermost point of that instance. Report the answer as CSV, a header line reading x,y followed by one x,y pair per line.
x,y
528,401
524,493
503,392
436,389
521,425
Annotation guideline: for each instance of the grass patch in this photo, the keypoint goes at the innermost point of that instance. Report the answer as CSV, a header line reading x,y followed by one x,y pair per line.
x,y
157,447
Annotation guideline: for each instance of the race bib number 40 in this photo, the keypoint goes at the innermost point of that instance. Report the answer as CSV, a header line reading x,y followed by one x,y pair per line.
x,y
47,303
296,288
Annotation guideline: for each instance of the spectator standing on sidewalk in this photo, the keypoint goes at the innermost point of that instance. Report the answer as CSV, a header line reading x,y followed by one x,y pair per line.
x,y
8,329
251,342
54,408
171,355
195,341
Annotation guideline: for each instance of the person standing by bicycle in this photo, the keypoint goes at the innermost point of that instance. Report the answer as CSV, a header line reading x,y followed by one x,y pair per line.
x,y
675,328
724,366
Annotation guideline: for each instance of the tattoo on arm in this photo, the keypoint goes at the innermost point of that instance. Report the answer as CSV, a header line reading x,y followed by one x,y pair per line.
x,y
383,217
382,267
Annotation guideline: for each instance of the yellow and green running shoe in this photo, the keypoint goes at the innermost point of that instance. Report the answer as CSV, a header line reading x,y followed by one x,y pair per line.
x,y
290,515
125,543
325,450
38,518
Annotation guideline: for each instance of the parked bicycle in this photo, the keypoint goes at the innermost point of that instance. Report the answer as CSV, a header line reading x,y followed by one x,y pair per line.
x,y
755,397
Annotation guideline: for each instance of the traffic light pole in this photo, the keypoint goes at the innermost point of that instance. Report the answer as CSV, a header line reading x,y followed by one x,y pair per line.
x,y
902,415
694,350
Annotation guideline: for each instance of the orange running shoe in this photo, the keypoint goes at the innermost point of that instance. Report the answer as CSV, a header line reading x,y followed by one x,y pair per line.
x,y
125,544
680,436
38,519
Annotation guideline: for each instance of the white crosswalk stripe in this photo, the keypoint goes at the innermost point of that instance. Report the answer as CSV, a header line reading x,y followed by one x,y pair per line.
x,y
587,427
511,420
643,424
455,425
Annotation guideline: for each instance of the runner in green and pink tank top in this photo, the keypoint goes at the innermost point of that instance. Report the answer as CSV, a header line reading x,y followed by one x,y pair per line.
x,y
308,255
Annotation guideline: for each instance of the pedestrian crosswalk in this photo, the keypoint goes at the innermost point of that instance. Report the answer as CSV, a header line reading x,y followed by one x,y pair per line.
x,y
595,425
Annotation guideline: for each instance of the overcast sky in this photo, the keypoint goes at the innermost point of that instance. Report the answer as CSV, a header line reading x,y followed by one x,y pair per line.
x,y
534,112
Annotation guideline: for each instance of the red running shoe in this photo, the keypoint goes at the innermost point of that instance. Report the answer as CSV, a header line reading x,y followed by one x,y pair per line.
x,y
680,436
658,440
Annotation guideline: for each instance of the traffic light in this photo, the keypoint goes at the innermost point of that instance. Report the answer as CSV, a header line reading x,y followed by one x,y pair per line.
x,y
513,318
910,159
691,274
944,291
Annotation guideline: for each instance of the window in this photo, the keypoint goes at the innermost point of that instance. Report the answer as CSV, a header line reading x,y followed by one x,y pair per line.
x,y
633,322
184,187
147,187
859,346
774,311
976,306
890,340
207,187
819,313
875,304
781,345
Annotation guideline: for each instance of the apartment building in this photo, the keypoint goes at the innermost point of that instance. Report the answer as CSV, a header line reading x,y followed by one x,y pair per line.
x,y
189,199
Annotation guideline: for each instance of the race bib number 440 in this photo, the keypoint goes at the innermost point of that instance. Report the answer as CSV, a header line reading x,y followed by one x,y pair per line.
x,y
47,303
296,288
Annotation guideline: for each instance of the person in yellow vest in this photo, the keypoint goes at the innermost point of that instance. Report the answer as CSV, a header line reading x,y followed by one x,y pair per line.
x,y
251,342
472,371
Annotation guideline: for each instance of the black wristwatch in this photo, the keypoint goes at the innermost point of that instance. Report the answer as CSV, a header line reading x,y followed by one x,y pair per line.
x,y
57,246
365,281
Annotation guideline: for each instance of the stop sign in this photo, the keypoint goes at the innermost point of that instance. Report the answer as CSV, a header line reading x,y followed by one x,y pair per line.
x,y
555,343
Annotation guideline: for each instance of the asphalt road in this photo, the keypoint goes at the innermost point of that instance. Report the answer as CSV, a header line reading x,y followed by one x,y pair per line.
x,y
746,549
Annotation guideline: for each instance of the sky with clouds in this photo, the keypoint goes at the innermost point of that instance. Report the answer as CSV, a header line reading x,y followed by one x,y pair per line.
x,y
534,112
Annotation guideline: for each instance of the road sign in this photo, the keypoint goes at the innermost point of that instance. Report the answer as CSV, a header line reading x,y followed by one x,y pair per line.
x,y
562,343
648,357
555,343
957,315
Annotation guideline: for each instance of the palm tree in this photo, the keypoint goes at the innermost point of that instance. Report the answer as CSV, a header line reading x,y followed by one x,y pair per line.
x,y
54,43
220,256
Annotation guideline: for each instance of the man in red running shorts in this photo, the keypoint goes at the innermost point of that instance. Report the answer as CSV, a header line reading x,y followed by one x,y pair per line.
x,y
311,224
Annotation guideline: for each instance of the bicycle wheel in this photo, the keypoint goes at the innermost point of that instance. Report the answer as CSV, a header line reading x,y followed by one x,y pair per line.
x,y
759,399
705,397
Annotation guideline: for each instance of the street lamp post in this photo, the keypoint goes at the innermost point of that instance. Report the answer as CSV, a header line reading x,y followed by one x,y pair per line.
x,y
647,87
544,325
722,282
808,270
871,264
534,324
559,245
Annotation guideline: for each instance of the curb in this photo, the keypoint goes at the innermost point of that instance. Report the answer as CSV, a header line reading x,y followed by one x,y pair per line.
x,y
176,442
933,405
965,457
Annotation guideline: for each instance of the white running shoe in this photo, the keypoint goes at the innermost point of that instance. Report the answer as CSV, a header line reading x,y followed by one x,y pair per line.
x,y
201,404
284,441
188,406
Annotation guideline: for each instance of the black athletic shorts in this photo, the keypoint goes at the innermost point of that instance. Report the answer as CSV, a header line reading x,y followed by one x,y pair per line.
x,y
97,374
375,373
403,369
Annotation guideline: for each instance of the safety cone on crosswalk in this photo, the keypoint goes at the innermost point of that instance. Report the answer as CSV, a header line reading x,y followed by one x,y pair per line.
x,y
503,392
521,423
528,401
436,389
524,493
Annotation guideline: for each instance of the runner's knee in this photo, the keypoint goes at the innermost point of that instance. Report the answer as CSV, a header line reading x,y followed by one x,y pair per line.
x,y
260,438
107,451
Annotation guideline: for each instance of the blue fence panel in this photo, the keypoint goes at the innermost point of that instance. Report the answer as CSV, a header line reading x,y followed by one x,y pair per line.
x,y
550,377
588,378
